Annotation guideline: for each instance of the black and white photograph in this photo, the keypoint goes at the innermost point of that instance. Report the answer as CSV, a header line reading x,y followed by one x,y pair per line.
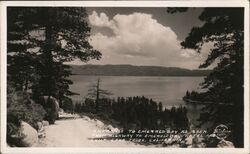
x,y
125,77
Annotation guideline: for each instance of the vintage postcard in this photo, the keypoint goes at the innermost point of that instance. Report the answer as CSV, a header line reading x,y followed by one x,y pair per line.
x,y
125,77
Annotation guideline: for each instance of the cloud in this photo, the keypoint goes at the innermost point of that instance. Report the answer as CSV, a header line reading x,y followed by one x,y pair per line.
x,y
140,40
102,20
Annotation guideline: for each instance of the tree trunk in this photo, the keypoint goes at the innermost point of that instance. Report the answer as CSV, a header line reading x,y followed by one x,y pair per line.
x,y
48,87
97,95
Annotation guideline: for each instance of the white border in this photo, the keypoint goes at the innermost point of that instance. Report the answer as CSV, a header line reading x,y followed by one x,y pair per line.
x,y
179,3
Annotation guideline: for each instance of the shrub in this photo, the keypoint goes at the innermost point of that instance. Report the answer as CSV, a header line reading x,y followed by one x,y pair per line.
x,y
21,108
67,105
51,106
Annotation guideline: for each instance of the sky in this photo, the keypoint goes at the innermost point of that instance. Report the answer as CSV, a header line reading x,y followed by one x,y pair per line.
x,y
144,36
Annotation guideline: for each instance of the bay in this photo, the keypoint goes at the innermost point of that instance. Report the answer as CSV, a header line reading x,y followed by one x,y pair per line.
x,y
165,89
168,90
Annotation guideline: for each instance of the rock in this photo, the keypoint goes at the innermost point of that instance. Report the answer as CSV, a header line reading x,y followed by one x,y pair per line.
x,y
61,111
39,125
29,135
225,144
45,123
41,130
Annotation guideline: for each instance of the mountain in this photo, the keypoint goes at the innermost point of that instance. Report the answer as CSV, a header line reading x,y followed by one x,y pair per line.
x,y
131,70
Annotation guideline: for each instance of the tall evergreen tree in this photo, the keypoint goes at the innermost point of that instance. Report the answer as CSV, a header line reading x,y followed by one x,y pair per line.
x,y
224,27
20,60
46,37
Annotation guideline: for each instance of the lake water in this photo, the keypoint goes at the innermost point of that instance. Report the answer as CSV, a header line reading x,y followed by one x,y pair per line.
x,y
168,90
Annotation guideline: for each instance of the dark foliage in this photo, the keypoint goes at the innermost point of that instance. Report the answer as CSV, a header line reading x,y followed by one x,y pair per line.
x,y
198,96
137,113
21,108
67,105
51,106
40,39
131,70
224,27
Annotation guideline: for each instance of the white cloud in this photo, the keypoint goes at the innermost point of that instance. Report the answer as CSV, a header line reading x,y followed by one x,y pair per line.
x,y
140,40
102,20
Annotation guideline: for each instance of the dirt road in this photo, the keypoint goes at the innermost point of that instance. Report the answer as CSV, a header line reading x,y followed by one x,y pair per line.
x,y
76,133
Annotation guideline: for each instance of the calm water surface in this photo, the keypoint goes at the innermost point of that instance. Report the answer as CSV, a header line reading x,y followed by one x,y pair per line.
x,y
168,90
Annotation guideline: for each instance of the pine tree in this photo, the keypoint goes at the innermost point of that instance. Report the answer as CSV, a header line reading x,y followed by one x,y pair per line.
x,y
96,93
21,61
43,39
224,27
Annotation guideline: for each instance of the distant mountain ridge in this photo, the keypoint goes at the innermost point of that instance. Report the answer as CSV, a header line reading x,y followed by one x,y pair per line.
x,y
132,70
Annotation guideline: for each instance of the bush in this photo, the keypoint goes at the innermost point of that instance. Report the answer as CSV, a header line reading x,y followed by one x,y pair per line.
x,y
51,106
21,108
67,105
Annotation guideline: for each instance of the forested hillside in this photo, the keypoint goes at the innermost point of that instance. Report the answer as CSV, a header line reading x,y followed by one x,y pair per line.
x,y
131,70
